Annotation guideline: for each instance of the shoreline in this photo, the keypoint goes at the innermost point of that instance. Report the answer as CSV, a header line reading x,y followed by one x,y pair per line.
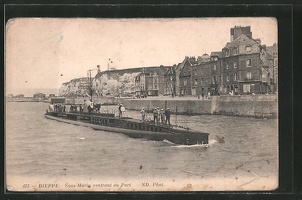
x,y
256,106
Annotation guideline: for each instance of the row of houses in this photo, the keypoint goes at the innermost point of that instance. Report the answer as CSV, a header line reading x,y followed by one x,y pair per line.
x,y
243,66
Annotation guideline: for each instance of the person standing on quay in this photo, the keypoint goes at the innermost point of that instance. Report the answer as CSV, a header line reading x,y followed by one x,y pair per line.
x,y
167,114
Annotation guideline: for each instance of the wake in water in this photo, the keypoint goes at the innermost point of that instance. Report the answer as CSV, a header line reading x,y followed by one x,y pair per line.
x,y
211,142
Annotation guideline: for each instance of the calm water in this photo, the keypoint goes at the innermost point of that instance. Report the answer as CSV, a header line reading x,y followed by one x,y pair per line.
x,y
42,149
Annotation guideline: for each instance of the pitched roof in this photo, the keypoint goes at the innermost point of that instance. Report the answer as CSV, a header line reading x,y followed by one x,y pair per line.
x,y
182,64
241,40
272,49
269,55
169,71
216,53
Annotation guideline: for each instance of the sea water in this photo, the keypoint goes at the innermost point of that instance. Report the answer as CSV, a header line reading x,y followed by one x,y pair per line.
x,y
240,151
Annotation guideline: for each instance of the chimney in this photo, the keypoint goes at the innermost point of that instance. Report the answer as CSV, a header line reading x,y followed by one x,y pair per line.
x,y
99,68
258,40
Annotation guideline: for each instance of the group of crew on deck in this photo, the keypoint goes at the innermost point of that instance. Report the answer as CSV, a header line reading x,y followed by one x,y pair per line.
x,y
57,107
88,106
160,116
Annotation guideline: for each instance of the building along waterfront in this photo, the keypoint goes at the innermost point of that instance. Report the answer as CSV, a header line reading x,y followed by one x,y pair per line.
x,y
243,66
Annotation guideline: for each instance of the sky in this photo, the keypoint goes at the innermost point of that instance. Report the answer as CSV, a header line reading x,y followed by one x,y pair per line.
x,y
43,53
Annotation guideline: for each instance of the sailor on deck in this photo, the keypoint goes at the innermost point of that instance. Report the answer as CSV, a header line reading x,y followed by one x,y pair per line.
x,y
167,114
143,112
51,107
155,115
90,106
119,110
162,116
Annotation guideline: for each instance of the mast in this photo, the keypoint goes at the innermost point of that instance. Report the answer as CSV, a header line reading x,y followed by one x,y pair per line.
x,y
90,83
176,116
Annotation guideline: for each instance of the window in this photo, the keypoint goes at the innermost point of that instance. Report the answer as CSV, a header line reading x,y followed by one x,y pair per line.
x,y
248,49
246,88
213,79
248,62
235,50
227,65
185,82
185,73
236,89
235,76
195,81
215,58
227,77
214,67
202,80
235,64
195,71
248,75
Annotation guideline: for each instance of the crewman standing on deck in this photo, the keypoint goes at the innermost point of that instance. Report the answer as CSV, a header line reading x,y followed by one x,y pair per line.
x,y
143,112
162,116
51,107
120,110
168,113
155,115
90,106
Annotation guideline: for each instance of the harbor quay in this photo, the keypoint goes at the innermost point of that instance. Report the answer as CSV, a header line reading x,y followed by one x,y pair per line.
x,y
262,106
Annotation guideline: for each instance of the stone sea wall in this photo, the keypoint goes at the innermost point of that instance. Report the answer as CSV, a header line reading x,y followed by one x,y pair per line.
x,y
262,106
96,100
247,106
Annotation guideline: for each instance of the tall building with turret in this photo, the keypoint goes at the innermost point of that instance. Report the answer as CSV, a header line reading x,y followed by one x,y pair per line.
x,y
237,31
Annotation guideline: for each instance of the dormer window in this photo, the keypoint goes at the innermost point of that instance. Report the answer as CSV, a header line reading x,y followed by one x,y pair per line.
x,y
248,49
227,52
215,58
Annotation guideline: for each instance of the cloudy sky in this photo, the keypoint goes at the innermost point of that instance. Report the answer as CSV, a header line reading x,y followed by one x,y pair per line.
x,y
43,53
